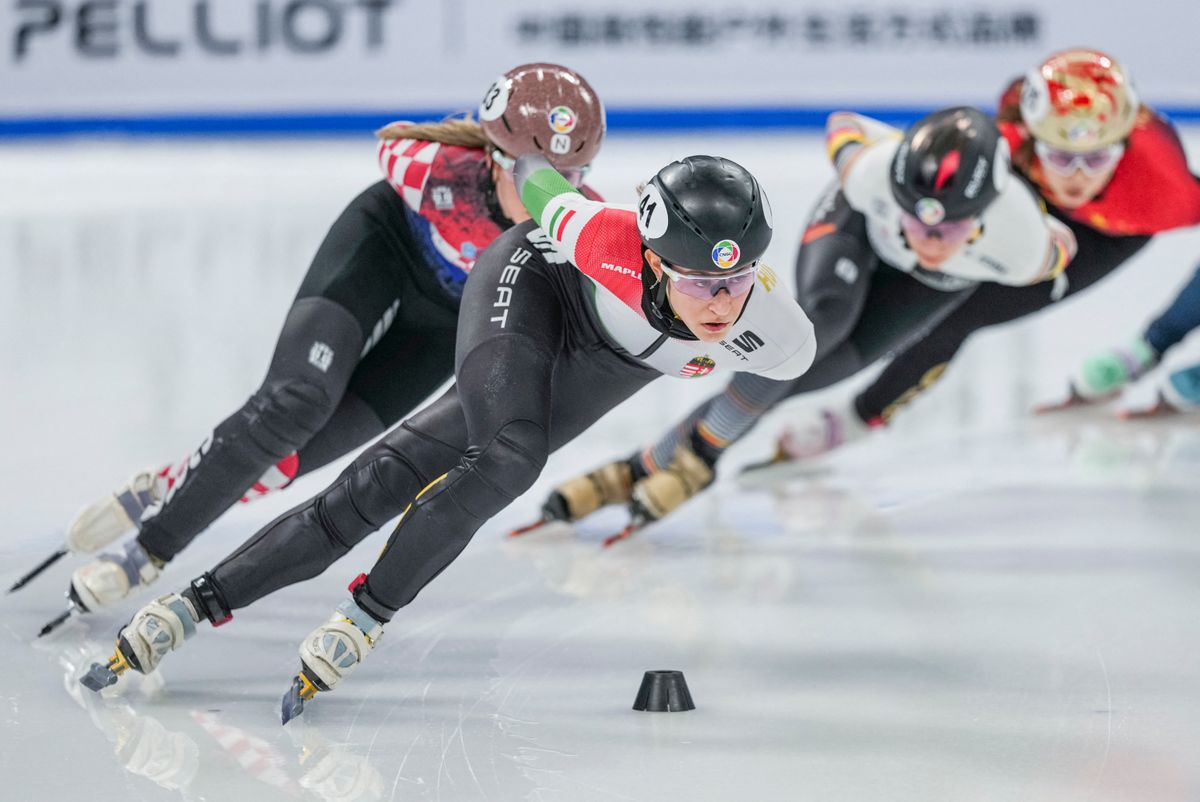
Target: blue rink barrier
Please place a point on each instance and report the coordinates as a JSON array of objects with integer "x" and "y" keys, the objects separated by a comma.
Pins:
[{"x": 354, "y": 123}]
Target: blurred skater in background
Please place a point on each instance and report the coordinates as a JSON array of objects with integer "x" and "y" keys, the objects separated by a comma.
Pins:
[
  {"x": 915, "y": 224},
  {"x": 1108, "y": 166}
]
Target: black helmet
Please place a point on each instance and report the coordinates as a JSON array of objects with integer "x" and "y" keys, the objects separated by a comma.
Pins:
[
  {"x": 705, "y": 214},
  {"x": 951, "y": 165}
]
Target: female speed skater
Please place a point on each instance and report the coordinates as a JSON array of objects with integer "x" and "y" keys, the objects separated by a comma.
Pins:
[
  {"x": 1109, "y": 167},
  {"x": 1102, "y": 376},
  {"x": 560, "y": 322},
  {"x": 914, "y": 226},
  {"x": 380, "y": 300}
]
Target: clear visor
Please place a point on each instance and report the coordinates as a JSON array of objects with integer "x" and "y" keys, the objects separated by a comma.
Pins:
[
  {"x": 706, "y": 286},
  {"x": 948, "y": 231},
  {"x": 1091, "y": 162}
]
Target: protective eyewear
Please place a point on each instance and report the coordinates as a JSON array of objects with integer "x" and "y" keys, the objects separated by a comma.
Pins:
[
  {"x": 574, "y": 175},
  {"x": 706, "y": 286},
  {"x": 1092, "y": 162},
  {"x": 948, "y": 231}
]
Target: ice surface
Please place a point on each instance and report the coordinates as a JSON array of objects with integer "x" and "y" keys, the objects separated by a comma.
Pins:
[{"x": 974, "y": 606}]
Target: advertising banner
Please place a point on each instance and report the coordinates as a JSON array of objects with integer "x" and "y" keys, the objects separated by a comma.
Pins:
[{"x": 297, "y": 64}]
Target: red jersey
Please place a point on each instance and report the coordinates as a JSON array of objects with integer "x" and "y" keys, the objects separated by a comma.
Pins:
[
  {"x": 1152, "y": 189},
  {"x": 447, "y": 190}
]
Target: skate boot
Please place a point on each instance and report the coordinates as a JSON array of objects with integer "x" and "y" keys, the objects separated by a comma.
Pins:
[
  {"x": 579, "y": 497},
  {"x": 1178, "y": 392},
  {"x": 103, "y": 521},
  {"x": 1103, "y": 375},
  {"x": 658, "y": 494},
  {"x": 160, "y": 627},
  {"x": 330, "y": 653},
  {"x": 112, "y": 577},
  {"x": 120, "y": 513},
  {"x": 1181, "y": 389},
  {"x": 815, "y": 433}
]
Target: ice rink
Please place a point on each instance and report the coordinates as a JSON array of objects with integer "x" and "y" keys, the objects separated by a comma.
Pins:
[{"x": 974, "y": 606}]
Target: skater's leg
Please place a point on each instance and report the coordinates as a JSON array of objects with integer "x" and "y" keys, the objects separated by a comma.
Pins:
[
  {"x": 1179, "y": 319},
  {"x": 412, "y": 360},
  {"x": 376, "y": 487},
  {"x": 922, "y": 363},
  {"x": 358, "y": 277}
]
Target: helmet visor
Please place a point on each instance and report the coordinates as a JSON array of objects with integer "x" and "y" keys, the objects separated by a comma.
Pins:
[
  {"x": 1091, "y": 162},
  {"x": 706, "y": 286},
  {"x": 950, "y": 232}
]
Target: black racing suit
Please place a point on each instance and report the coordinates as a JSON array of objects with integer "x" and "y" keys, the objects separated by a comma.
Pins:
[
  {"x": 917, "y": 367},
  {"x": 521, "y": 392},
  {"x": 370, "y": 284}
]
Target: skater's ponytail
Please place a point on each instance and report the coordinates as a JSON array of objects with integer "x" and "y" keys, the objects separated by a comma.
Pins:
[{"x": 462, "y": 131}]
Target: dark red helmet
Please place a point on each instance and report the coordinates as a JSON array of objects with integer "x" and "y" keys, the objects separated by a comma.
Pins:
[{"x": 547, "y": 109}]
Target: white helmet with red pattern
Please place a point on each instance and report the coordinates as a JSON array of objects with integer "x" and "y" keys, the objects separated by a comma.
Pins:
[{"x": 1079, "y": 100}]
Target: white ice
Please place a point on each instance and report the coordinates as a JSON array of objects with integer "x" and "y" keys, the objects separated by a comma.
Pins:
[{"x": 975, "y": 606}]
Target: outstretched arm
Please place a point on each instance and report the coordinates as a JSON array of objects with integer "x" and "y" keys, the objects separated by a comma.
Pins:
[
  {"x": 539, "y": 184},
  {"x": 848, "y": 134}
]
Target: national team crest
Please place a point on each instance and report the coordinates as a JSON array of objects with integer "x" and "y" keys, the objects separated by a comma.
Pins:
[
  {"x": 930, "y": 211},
  {"x": 726, "y": 253},
  {"x": 700, "y": 366},
  {"x": 562, "y": 119}
]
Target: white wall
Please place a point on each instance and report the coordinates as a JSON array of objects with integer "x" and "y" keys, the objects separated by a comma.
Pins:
[{"x": 148, "y": 57}]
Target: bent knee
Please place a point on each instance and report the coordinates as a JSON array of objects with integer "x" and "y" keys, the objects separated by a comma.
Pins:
[
  {"x": 285, "y": 415},
  {"x": 515, "y": 457},
  {"x": 503, "y": 469}
]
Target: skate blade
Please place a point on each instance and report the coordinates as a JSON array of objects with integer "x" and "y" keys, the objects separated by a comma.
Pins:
[
  {"x": 56, "y": 623},
  {"x": 766, "y": 473},
  {"x": 538, "y": 524},
  {"x": 1073, "y": 401},
  {"x": 626, "y": 533},
  {"x": 293, "y": 701},
  {"x": 42, "y": 566},
  {"x": 100, "y": 677},
  {"x": 1159, "y": 410}
]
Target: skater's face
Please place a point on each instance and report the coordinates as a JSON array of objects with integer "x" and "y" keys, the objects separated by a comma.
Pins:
[
  {"x": 1073, "y": 179},
  {"x": 933, "y": 245},
  {"x": 709, "y": 318},
  {"x": 506, "y": 188}
]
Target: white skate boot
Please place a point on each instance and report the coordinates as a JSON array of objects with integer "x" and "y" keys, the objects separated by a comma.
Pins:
[
  {"x": 120, "y": 513},
  {"x": 103, "y": 521},
  {"x": 814, "y": 433},
  {"x": 160, "y": 627},
  {"x": 330, "y": 653},
  {"x": 112, "y": 577},
  {"x": 1101, "y": 377}
]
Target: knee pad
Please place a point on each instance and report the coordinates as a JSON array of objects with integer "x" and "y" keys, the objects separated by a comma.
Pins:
[
  {"x": 503, "y": 469},
  {"x": 385, "y": 479},
  {"x": 284, "y": 415}
]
